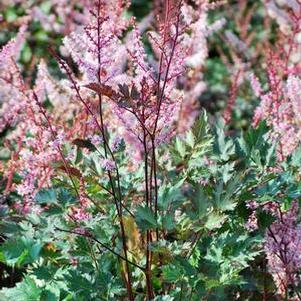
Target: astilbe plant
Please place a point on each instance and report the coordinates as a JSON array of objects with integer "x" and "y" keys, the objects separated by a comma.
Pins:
[
  {"x": 116, "y": 80},
  {"x": 105, "y": 187},
  {"x": 146, "y": 102}
]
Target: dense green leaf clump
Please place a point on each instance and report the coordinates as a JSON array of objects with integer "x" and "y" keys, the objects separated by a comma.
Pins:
[{"x": 205, "y": 251}]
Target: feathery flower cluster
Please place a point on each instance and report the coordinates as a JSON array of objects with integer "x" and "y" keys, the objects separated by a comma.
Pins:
[
  {"x": 18, "y": 111},
  {"x": 252, "y": 222},
  {"x": 283, "y": 248},
  {"x": 193, "y": 83},
  {"x": 59, "y": 16},
  {"x": 156, "y": 100},
  {"x": 96, "y": 48},
  {"x": 108, "y": 165},
  {"x": 9, "y": 78},
  {"x": 279, "y": 14},
  {"x": 80, "y": 212},
  {"x": 280, "y": 105},
  {"x": 33, "y": 143}
]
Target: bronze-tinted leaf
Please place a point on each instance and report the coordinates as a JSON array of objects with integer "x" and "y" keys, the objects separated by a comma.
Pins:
[
  {"x": 134, "y": 93},
  {"x": 70, "y": 170},
  {"x": 103, "y": 90},
  {"x": 124, "y": 103},
  {"x": 84, "y": 143},
  {"x": 124, "y": 90}
]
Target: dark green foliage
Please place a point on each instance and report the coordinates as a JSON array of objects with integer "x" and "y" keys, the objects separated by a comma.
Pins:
[{"x": 206, "y": 252}]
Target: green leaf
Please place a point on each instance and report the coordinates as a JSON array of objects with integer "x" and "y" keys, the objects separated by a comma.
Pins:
[
  {"x": 170, "y": 194},
  {"x": 200, "y": 129},
  {"x": 172, "y": 273},
  {"x": 225, "y": 194},
  {"x": 7, "y": 227},
  {"x": 296, "y": 157},
  {"x": 227, "y": 171},
  {"x": 48, "y": 295},
  {"x": 180, "y": 147},
  {"x": 145, "y": 218},
  {"x": 46, "y": 196},
  {"x": 168, "y": 221},
  {"x": 2, "y": 297},
  {"x": 20, "y": 251},
  {"x": 223, "y": 146},
  {"x": 190, "y": 139},
  {"x": 2, "y": 258},
  {"x": 215, "y": 220},
  {"x": 26, "y": 54},
  {"x": 26, "y": 290},
  {"x": 10, "y": 14}
]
